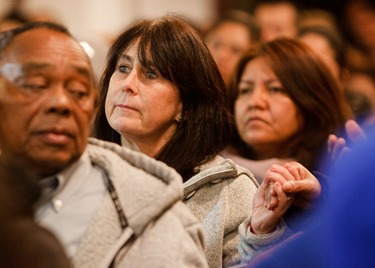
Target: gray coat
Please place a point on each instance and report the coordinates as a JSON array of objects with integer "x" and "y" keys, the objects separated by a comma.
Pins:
[
  {"x": 162, "y": 231},
  {"x": 221, "y": 197}
]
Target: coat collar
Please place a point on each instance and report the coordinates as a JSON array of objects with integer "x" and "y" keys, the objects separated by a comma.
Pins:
[{"x": 145, "y": 187}]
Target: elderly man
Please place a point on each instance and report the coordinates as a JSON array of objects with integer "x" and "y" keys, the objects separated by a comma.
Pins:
[{"x": 107, "y": 205}]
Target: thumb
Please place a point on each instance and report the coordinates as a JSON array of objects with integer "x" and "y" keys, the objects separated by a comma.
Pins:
[
  {"x": 293, "y": 187},
  {"x": 288, "y": 187},
  {"x": 306, "y": 189},
  {"x": 354, "y": 131}
]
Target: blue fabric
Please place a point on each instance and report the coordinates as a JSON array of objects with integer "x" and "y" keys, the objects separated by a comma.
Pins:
[{"x": 342, "y": 234}]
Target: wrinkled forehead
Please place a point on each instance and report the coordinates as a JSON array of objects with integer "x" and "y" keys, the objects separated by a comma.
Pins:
[
  {"x": 140, "y": 47},
  {"x": 45, "y": 45}
]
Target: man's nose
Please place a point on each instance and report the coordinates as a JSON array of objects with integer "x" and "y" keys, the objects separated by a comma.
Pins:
[{"x": 59, "y": 101}]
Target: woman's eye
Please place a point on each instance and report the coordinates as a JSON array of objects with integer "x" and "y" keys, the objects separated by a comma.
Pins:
[
  {"x": 124, "y": 69},
  {"x": 236, "y": 50},
  {"x": 151, "y": 74},
  {"x": 276, "y": 89},
  {"x": 244, "y": 91}
]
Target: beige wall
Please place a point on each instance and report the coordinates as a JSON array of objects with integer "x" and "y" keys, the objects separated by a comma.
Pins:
[
  {"x": 97, "y": 22},
  {"x": 110, "y": 16}
]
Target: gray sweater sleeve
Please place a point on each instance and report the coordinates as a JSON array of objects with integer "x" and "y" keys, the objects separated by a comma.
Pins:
[{"x": 252, "y": 244}]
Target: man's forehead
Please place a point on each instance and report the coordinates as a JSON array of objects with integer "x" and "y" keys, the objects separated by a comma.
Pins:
[
  {"x": 45, "y": 47},
  {"x": 44, "y": 41}
]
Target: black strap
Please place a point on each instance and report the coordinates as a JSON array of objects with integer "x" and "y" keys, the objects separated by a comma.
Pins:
[{"x": 116, "y": 202}]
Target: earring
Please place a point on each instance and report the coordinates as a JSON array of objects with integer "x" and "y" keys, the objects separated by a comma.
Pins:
[{"x": 178, "y": 119}]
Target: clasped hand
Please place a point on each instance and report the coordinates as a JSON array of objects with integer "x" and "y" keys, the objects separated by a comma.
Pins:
[{"x": 282, "y": 186}]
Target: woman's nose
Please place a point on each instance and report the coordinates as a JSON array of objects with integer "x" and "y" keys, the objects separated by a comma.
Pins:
[
  {"x": 258, "y": 97},
  {"x": 131, "y": 83}
]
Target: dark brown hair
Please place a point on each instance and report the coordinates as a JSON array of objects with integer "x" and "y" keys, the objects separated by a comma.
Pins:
[
  {"x": 313, "y": 90},
  {"x": 179, "y": 54}
]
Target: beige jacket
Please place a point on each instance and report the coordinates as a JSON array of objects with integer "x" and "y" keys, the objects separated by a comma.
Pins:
[{"x": 162, "y": 232}]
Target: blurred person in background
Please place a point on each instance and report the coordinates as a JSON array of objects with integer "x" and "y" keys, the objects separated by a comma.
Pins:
[
  {"x": 229, "y": 38},
  {"x": 328, "y": 44},
  {"x": 361, "y": 82},
  {"x": 276, "y": 18},
  {"x": 359, "y": 25},
  {"x": 317, "y": 17},
  {"x": 357, "y": 84},
  {"x": 95, "y": 47}
]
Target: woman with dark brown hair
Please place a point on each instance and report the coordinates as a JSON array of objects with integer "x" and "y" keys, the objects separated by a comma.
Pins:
[
  {"x": 287, "y": 104},
  {"x": 162, "y": 93}
]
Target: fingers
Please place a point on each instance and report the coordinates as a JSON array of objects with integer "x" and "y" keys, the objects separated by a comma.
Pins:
[
  {"x": 306, "y": 191},
  {"x": 279, "y": 201},
  {"x": 270, "y": 200},
  {"x": 302, "y": 186},
  {"x": 338, "y": 148},
  {"x": 296, "y": 170},
  {"x": 354, "y": 131},
  {"x": 262, "y": 194},
  {"x": 283, "y": 174},
  {"x": 305, "y": 181},
  {"x": 281, "y": 195},
  {"x": 332, "y": 139},
  {"x": 278, "y": 173},
  {"x": 276, "y": 197},
  {"x": 265, "y": 184}
]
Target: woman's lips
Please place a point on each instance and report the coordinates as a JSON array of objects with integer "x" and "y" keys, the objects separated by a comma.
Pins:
[
  {"x": 123, "y": 107},
  {"x": 256, "y": 121}
]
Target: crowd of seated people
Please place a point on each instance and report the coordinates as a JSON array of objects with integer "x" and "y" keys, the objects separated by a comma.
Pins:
[{"x": 227, "y": 149}]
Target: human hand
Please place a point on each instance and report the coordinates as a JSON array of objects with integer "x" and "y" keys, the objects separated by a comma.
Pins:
[
  {"x": 298, "y": 181},
  {"x": 337, "y": 146},
  {"x": 269, "y": 205}
]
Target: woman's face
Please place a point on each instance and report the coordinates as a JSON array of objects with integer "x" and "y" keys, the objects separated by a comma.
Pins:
[
  {"x": 227, "y": 43},
  {"x": 141, "y": 105},
  {"x": 323, "y": 49},
  {"x": 265, "y": 116}
]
